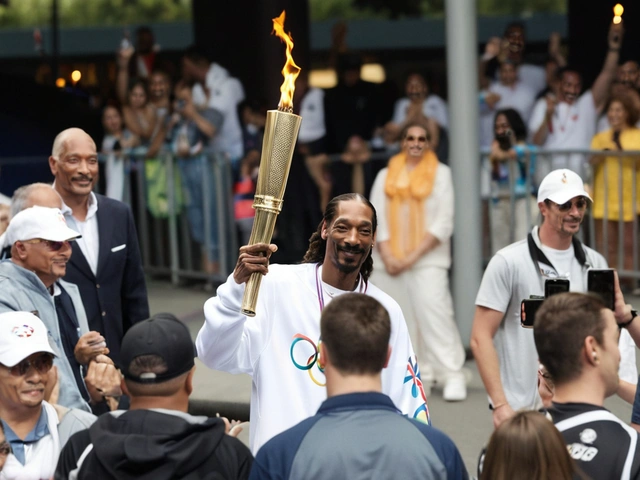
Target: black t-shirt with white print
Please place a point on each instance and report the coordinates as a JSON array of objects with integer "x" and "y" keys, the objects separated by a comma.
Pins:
[{"x": 603, "y": 446}]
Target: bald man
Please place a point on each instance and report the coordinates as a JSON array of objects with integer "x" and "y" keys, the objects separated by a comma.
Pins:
[{"x": 105, "y": 264}]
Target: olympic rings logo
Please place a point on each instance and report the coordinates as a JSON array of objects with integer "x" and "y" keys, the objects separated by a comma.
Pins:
[{"x": 313, "y": 360}]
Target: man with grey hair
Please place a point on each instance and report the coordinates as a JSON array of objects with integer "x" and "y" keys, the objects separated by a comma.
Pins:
[
  {"x": 40, "y": 194},
  {"x": 105, "y": 263}
]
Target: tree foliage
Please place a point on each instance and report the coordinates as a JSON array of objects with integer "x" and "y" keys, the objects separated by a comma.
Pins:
[
  {"x": 31, "y": 13},
  {"x": 393, "y": 9},
  {"x": 73, "y": 13}
]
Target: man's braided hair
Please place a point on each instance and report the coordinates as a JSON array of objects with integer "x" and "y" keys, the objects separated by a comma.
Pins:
[{"x": 318, "y": 245}]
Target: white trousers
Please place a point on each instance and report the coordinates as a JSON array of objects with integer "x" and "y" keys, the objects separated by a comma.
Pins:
[{"x": 425, "y": 299}]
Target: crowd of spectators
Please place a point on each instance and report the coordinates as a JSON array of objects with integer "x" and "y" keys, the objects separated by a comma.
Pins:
[
  {"x": 90, "y": 386},
  {"x": 349, "y": 131}
]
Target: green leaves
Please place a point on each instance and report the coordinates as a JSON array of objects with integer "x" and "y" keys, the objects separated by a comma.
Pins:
[{"x": 73, "y": 13}]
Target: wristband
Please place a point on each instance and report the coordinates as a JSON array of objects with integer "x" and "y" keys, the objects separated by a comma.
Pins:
[
  {"x": 496, "y": 407},
  {"x": 634, "y": 314}
]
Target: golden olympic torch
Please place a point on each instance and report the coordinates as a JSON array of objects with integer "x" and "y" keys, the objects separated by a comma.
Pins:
[{"x": 279, "y": 141}]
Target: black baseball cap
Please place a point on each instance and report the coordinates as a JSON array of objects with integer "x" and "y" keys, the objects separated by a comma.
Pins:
[{"x": 162, "y": 335}]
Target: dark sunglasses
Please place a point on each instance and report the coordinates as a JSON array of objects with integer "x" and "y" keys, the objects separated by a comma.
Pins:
[
  {"x": 580, "y": 203},
  {"x": 51, "y": 245},
  {"x": 5, "y": 448},
  {"x": 42, "y": 364},
  {"x": 411, "y": 138}
]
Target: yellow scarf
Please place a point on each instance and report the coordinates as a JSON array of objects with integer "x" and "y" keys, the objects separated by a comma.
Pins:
[{"x": 413, "y": 187}]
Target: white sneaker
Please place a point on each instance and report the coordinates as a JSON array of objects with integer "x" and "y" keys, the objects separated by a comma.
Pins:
[{"x": 455, "y": 390}]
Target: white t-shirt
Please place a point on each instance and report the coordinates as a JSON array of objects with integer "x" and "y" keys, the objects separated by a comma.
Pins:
[
  {"x": 432, "y": 107},
  {"x": 520, "y": 97},
  {"x": 563, "y": 261},
  {"x": 312, "y": 112},
  {"x": 511, "y": 277},
  {"x": 533, "y": 76},
  {"x": 225, "y": 93},
  {"x": 572, "y": 127}
]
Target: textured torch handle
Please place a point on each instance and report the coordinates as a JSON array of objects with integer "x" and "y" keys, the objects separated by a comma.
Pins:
[{"x": 280, "y": 134}]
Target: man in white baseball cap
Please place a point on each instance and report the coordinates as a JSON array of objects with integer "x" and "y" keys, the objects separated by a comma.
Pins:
[
  {"x": 504, "y": 351},
  {"x": 35, "y": 429},
  {"x": 40, "y": 223},
  {"x": 30, "y": 281}
]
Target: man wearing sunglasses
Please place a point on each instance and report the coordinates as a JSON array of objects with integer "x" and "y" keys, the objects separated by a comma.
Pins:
[
  {"x": 39, "y": 239},
  {"x": 35, "y": 430},
  {"x": 504, "y": 351}
]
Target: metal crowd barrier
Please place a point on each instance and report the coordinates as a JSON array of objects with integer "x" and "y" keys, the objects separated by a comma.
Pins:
[
  {"x": 579, "y": 161},
  {"x": 168, "y": 249},
  {"x": 166, "y": 243}
]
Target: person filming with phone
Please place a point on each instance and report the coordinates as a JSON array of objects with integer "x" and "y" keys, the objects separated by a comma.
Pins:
[
  {"x": 512, "y": 160},
  {"x": 505, "y": 352}
]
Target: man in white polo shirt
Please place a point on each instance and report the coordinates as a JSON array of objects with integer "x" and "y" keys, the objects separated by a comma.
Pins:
[
  {"x": 504, "y": 351},
  {"x": 569, "y": 121}
]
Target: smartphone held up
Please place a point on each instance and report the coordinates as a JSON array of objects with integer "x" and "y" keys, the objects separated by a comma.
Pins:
[
  {"x": 529, "y": 306},
  {"x": 602, "y": 283}
]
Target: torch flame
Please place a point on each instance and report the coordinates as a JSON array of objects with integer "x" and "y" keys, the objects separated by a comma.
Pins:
[{"x": 290, "y": 70}]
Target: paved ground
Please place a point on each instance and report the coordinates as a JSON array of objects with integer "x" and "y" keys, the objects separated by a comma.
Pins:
[{"x": 468, "y": 423}]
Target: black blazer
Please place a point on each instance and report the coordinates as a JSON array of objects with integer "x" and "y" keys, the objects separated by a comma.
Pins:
[{"x": 116, "y": 297}]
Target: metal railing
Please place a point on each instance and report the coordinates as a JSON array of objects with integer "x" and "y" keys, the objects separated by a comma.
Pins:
[
  {"x": 535, "y": 163},
  {"x": 168, "y": 248},
  {"x": 166, "y": 241},
  {"x": 164, "y": 234}
]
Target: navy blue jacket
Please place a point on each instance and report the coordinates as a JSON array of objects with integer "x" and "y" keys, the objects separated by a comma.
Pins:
[
  {"x": 359, "y": 436},
  {"x": 116, "y": 297}
]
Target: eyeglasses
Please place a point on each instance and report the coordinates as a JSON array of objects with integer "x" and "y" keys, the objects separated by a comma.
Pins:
[
  {"x": 51, "y": 245},
  {"x": 411, "y": 138},
  {"x": 42, "y": 364},
  {"x": 580, "y": 204},
  {"x": 5, "y": 448}
]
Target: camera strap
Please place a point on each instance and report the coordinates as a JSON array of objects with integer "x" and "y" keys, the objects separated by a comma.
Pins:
[{"x": 538, "y": 256}]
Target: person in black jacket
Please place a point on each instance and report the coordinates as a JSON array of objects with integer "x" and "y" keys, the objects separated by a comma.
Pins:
[
  {"x": 106, "y": 264},
  {"x": 156, "y": 439}
]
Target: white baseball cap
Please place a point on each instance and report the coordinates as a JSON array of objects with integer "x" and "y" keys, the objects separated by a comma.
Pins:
[
  {"x": 39, "y": 222},
  {"x": 560, "y": 186},
  {"x": 21, "y": 334}
]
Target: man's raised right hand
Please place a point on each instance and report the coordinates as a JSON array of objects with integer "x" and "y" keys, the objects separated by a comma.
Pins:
[{"x": 252, "y": 259}]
